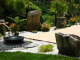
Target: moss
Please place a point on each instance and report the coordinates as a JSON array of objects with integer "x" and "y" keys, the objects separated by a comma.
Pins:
[
  {"x": 46, "y": 48},
  {"x": 34, "y": 31}
]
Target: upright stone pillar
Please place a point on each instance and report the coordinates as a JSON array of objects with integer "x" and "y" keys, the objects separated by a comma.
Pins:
[
  {"x": 61, "y": 22},
  {"x": 33, "y": 20}
]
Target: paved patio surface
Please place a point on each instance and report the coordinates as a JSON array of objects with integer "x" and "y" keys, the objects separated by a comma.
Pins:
[{"x": 50, "y": 36}]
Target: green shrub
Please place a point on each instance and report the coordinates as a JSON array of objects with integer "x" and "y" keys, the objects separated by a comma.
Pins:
[
  {"x": 45, "y": 27},
  {"x": 74, "y": 20},
  {"x": 48, "y": 18},
  {"x": 15, "y": 8},
  {"x": 34, "y": 31},
  {"x": 59, "y": 7},
  {"x": 46, "y": 48},
  {"x": 33, "y": 6}
]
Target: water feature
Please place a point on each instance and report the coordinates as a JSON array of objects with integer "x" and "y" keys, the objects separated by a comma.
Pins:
[
  {"x": 10, "y": 41},
  {"x": 13, "y": 39},
  {"x": 10, "y": 32}
]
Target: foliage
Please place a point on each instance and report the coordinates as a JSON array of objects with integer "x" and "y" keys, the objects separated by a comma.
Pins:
[
  {"x": 32, "y": 56},
  {"x": 30, "y": 41},
  {"x": 34, "y": 31},
  {"x": 73, "y": 8},
  {"x": 59, "y": 7},
  {"x": 70, "y": 23},
  {"x": 15, "y": 8},
  {"x": 16, "y": 27},
  {"x": 74, "y": 20},
  {"x": 13, "y": 27},
  {"x": 48, "y": 18},
  {"x": 23, "y": 26},
  {"x": 46, "y": 48},
  {"x": 0, "y": 34},
  {"x": 45, "y": 27},
  {"x": 78, "y": 19},
  {"x": 17, "y": 20},
  {"x": 32, "y": 6},
  {"x": 1, "y": 13}
]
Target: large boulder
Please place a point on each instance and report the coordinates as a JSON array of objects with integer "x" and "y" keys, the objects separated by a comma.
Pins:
[
  {"x": 33, "y": 20},
  {"x": 68, "y": 44}
]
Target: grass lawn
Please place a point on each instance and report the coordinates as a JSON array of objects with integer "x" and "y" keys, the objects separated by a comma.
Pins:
[{"x": 31, "y": 56}]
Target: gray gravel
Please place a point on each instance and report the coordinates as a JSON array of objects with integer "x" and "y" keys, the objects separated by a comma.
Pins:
[{"x": 32, "y": 47}]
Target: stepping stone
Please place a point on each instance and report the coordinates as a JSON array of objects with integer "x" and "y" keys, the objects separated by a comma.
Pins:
[{"x": 31, "y": 45}]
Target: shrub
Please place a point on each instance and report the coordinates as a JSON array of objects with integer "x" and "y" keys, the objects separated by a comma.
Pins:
[
  {"x": 33, "y": 6},
  {"x": 45, "y": 27},
  {"x": 15, "y": 8},
  {"x": 74, "y": 20},
  {"x": 34, "y": 31},
  {"x": 59, "y": 7},
  {"x": 46, "y": 48},
  {"x": 49, "y": 19}
]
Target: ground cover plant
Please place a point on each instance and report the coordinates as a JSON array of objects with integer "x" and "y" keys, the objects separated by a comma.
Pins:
[
  {"x": 34, "y": 31},
  {"x": 31, "y": 56},
  {"x": 46, "y": 48}
]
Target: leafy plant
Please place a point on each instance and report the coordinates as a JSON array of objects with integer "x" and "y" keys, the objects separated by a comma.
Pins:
[
  {"x": 45, "y": 27},
  {"x": 17, "y": 20},
  {"x": 15, "y": 8},
  {"x": 46, "y": 48},
  {"x": 74, "y": 20},
  {"x": 13, "y": 28},
  {"x": 32, "y": 6},
  {"x": 59, "y": 7},
  {"x": 48, "y": 18},
  {"x": 78, "y": 19},
  {"x": 34, "y": 31},
  {"x": 16, "y": 27}
]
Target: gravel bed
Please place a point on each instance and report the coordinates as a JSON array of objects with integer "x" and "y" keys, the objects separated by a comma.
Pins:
[
  {"x": 26, "y": 47},
  {"x": 6, "y": 46}
]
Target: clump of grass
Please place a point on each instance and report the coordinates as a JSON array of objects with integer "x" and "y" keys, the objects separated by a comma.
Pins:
[
  {"x": 30, "y": 41},
  {"x": 46, "y": 48},
  {"x": 34, "y": 31},
  {"x": 0, "y": 34}
]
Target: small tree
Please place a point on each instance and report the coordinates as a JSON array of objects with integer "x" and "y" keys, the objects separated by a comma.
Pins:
[{"x": 59, "y": 7}]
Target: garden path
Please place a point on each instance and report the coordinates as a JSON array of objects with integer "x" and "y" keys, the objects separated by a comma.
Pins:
[{"x": 50, "y": 36}]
